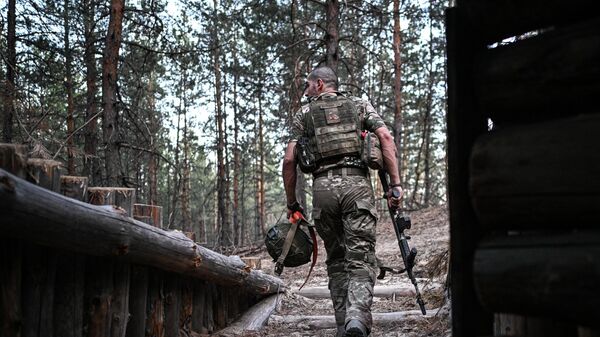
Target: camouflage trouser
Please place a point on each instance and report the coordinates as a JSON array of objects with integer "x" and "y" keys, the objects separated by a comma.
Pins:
[{"x": 345, "y": 217}]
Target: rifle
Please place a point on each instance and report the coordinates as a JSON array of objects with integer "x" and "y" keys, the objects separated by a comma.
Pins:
[{"x": 401, "y": 222}]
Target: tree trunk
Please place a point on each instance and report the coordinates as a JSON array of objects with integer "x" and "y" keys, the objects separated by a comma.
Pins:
[
  {"x": 186, "y": 212},
  {"x": 69, "y": 89},
  {"x": 398, "y": 118},
  {"x": 260, "y": 191},
  {"x": 91, "y": 165},
  {"x": 239, "y": 235},
  {"x": 176, "y": 180},
  {"x": 110, "y": 126},
  {"x": 152, "y": 158},
  {"x": 332, "y": 34},
  {"x": 11, "y": 65},
  {"x": 225, "y": 231}
]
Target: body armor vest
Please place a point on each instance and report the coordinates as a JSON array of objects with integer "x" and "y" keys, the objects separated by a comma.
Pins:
[{"x": 333, "y": 128}]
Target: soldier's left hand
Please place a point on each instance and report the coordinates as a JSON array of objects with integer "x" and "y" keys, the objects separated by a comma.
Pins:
[{"x": 395, "y": 197}]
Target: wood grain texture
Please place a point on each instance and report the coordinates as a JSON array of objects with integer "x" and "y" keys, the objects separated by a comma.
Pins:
[{"x": 51, "y": 219}]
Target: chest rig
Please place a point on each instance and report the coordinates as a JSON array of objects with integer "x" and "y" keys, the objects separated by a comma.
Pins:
[{"x": 333, "y": 128}]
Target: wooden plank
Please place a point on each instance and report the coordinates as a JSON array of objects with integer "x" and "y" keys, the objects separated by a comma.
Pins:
[
  {"x": 538, "y": 176},
  {"x": 155, "y": 323},
  {"x": 469, "y": 319},
  {"x": 39, "y": 275},
  {"x": 98, "y": 291},
  {"x": 498, "y": 19},
  {"x": 74, "y": 187},
  {"x": 119, "y": 306},
  {"x": 552, "y": 275},
  {"x": 69, "y": 295},
  {"x": 253, "y": 319},
  {"x": 138, "y": 297},
  {"x": 172, "y": 289},
  {"x": 11, "y": 315},
  {"x": 13, "y": 158},
  {"x": 551, "y": 75},
  {"x": 44, "y": 173},
  {"x": 187, "y": 304},
  {"x": 199, "y": 307},
  {"x": 50, "y": 219},
  {"x": 153, "y": 213}
]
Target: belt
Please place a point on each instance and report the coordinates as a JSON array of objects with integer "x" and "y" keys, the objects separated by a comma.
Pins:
[{"x": 349, "y": 171}]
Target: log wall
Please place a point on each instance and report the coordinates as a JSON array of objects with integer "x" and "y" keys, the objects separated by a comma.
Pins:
[
  {"x": 524, "y": 164},
  {"x": 68, "y": 268}
]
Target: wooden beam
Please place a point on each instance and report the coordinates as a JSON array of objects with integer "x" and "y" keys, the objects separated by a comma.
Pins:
[
  {"x": 386, "y": 291},
  {"x": 34, "y": 214},
  {"x": 538, "y": 176},
  {"x": 547, "y": 76},
  {"x": 553, "y": 275},
  {"x": 328, "y": 322},
  {"x": 253, "y": 319},
  {"x": 498, "y": 19},
  {"x": 465, "y": 123}
]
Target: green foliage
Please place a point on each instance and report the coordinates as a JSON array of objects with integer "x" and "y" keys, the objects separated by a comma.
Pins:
[{"x": 167, "y": 98}]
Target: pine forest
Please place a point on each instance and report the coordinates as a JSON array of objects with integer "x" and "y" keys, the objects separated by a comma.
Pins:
[{"x": 189, "y": 102}]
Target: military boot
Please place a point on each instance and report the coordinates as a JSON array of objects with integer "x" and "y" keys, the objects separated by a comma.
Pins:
[{"x": 354, "y": 328}]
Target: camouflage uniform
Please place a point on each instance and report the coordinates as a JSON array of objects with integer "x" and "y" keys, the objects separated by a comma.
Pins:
[{"x": 345, "y": 217}]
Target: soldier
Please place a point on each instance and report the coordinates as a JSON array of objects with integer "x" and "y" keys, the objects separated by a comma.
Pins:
[{"x": 343, "y": 203}]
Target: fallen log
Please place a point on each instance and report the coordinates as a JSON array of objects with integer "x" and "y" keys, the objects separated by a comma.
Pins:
[
  {"x": 253, "y": 319},
  {"x": 387, "y": 291},
  {"x": 34, "y": 214},
  {"x": 328, "y": 322}
]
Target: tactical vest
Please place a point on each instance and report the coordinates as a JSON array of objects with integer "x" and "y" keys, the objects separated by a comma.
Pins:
[{"x": 333, "y": 128}]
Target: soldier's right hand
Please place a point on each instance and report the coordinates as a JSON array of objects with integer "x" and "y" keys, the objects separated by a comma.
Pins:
[
  {"x": 395, "y": 197},
  {"x": 294, "y": 207}
]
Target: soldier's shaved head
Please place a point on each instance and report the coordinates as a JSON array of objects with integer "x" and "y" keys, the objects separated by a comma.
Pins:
[{"x": 326, "y": 74}]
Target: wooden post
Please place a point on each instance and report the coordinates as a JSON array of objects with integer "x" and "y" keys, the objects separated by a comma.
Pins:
[
  {"x": 45, "y": 173},
  {"x": 69, "y": 295},
  {"x": 465, "y": 123},
  {"x": 155, "y": 324},
  {"x": 154, "y": 214},
  {"x": 11, "y": 319},
  {"x": 172, "y": 290},
  {"x": 187, "y": 304},
  {"x": 74, "y": 187},
  {"x": 13, "y": 158},
  {"x": 69, "y": 291},
  {"x": 101, "y": 196},
  {"x": 199, "y": 308}
]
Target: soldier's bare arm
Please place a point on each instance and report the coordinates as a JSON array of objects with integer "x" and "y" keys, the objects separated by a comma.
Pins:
[{"x": 289, "y": 173}]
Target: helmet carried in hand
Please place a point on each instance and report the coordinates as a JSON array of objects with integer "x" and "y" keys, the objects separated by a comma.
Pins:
[{"x": 300, "y": 250}]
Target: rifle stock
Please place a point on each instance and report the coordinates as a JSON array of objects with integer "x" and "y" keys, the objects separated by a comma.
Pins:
[{"x": 402, "y": 222}]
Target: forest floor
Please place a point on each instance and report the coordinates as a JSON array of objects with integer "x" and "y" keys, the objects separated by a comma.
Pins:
[{"x": 430, "y": 235}]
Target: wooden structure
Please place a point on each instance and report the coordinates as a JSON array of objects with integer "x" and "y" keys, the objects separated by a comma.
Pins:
[
  {"x": 71, "y": 268},
  {"x": 524, "y": 167}
]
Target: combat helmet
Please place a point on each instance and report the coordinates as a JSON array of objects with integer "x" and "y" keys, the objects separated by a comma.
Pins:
[{"x": 300, "y": 250}]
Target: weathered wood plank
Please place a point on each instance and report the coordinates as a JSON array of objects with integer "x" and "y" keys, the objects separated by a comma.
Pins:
[
  {"x": 541, "y": 274},
  {"x": 71, "y": 225},
  {"x": 465, "y": 123},
  {"x": 11, "y": 315},
  {"x": 153, "y": 213},
  {"x": 551, "y": 75},
  {"x": 13, "y": 158},
  {"x": 69, "y": 294},
  {"x": 44, "y": 173},
  {"x": 253, "y": 319},
  {"x": 74, "y": 187},
  {"x": 172, "y": 289},
  {"x": 155, "y": 322},
  {"x": 498, "y": 19},
  {"x": 543, "y": 175},
  {"x": 39, "y": 275}
]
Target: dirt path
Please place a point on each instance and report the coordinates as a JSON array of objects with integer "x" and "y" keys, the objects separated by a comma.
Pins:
[{"x": 430, "y": 235}]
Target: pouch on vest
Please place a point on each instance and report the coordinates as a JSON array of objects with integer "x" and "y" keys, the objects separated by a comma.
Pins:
[
  {"x": 304, "y": 157},
  {"x": 371, "y": 153}
]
